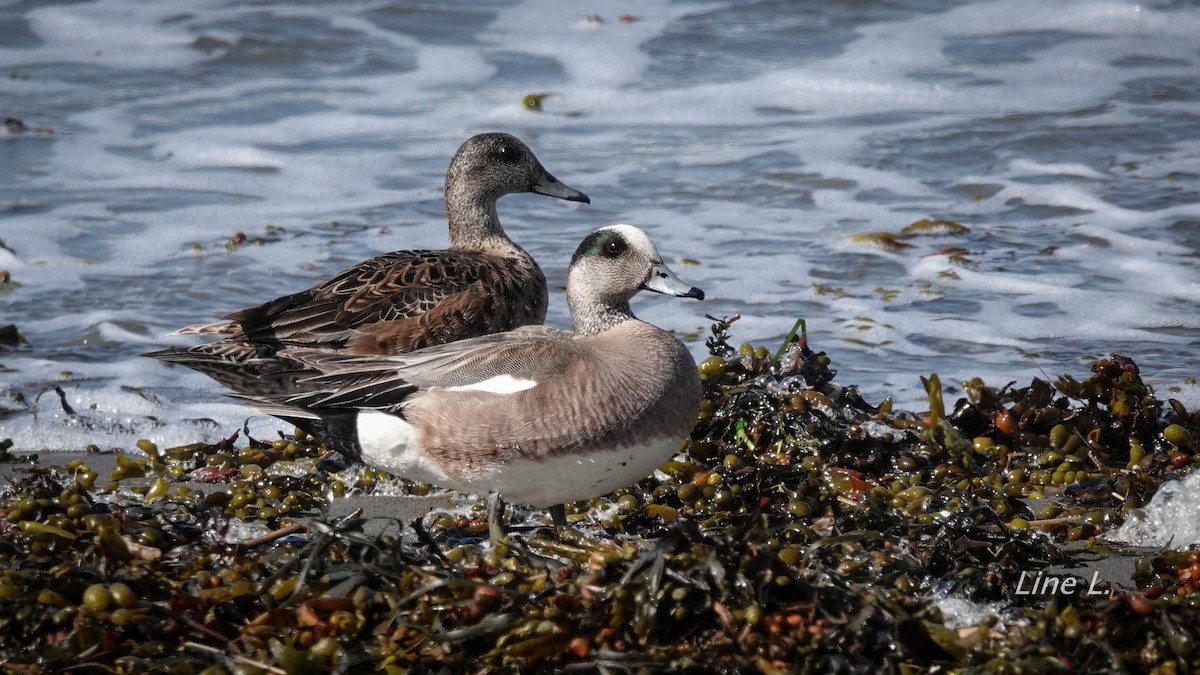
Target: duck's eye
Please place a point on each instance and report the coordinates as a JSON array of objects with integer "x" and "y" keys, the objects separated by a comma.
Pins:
[
  {"x": 613, "y": 248},
  {"x": 505, "y": 153}
]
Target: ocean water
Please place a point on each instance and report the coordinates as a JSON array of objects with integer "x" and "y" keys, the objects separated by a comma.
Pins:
[
  {"x": 764, "y": 145},
  {"x": 1170, "y": 520}
]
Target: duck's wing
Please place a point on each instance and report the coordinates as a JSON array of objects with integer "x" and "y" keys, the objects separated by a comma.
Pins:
[
  {"x": 394, "y": 302},
  {"x": 500, "y": 363}
]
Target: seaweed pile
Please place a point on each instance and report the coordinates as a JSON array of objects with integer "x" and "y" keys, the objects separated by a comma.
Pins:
[{"x": 798, "y": 530}]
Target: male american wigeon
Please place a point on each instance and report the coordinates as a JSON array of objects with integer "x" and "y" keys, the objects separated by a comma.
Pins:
[
  {"x": 406, "y": 300},
  {"x": 538, "y": 415}
]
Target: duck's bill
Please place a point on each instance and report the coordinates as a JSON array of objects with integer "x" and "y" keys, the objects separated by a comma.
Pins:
[
  {"x": 663, "y": 280},
  {"x": 552, "y": 187}
]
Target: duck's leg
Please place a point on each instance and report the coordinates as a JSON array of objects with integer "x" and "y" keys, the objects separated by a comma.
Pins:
[
  {"x": 558, "y": 515},
  {"x": 495, "y": 516}
]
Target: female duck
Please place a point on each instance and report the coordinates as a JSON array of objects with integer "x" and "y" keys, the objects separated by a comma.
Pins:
[{"x": 406, "y": 300}]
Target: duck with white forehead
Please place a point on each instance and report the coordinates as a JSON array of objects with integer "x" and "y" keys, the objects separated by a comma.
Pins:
[{"x": 536, "y": 415}]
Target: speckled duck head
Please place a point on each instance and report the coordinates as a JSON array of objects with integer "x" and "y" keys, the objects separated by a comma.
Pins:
[{"x": 485, "y": 168}]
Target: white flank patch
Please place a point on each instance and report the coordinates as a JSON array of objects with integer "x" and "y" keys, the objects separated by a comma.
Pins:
[
  {"x": 500, "y": 384},
  {"x": 377, "y": 431},
  {"x": 390, "y": 443}
]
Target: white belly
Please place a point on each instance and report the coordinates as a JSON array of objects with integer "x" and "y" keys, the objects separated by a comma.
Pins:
[
  {"x": 388, "y": 443},
  {"x": 574, "y": 477}
]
